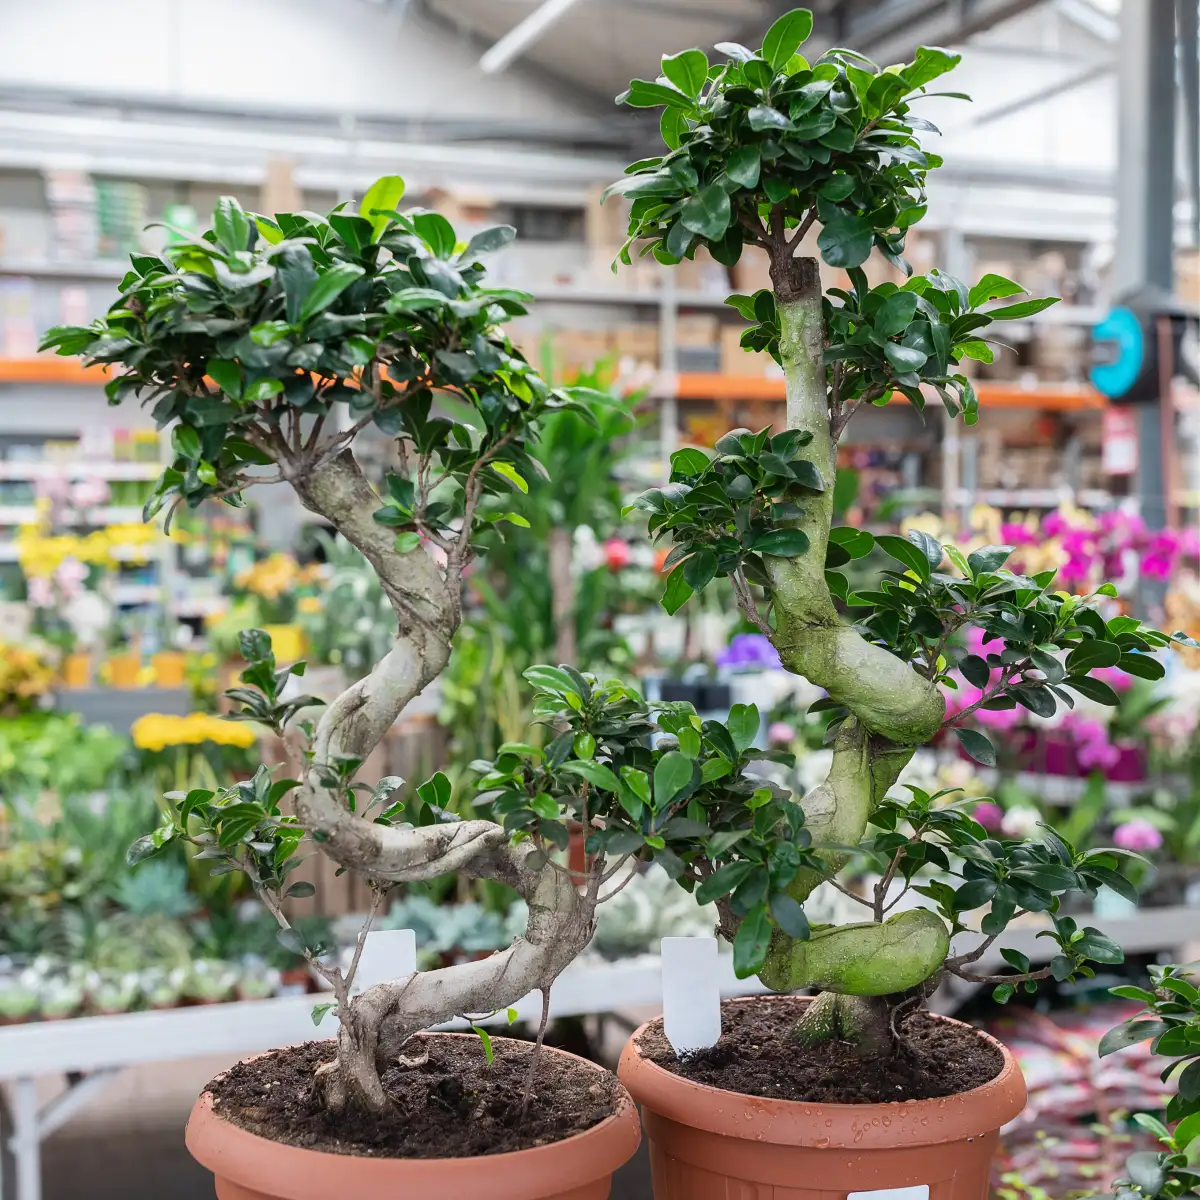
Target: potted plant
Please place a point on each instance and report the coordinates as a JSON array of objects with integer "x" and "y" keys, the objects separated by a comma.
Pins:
[
  {"x": 269, "y": 345},
  {"x": 760, "y": 149},
  {"x": 1171, "y": 1017}
]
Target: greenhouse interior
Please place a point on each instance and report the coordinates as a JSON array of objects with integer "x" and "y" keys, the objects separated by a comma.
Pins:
[{"x": 599, "y": 598}]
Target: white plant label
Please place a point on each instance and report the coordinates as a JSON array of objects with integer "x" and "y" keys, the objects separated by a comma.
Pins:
[
  {"x": 691, "y": 992},
  {"x": 388, "y": 954},
  {"x": 920, "y": 1192}
]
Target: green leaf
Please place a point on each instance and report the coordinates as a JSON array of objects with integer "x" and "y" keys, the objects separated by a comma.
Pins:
[
  {"x": 846, "y": 240},
  {"x": 782, "y": 543},
  {"x": 319, "y": 1011},
  {"x": 786, "y": 36},
  {"x": 436, "y": 232},
  {"x": 988, "y": 559},
  {"x": 488, "y": 241},
  {"x": 436, "y": 790},
  {"x": 1093, "y": 689},
  {"x": 722, "y": 881},
  {"x": 595, "y": 773},
  {"x": 262, "y": 389},
  {"x": 226, "y": 375},
  {"x": 687, "y": 70},
  {"x": 977, "y": 746},
  {"x": 699, "y": 569},
  {"x": 509, "y": 472},
  {"x": 708, "y": 212},
  {"x": 903, "y": 551},
  {"x": 1145, "y": 666},
  {"x": 763, "y": 117},
  {"x": 689, "y": 461},
  {"x": 1093, "y": 653},
  {"x": 642, "y": 94},
  {"x": 1130, "y": 1034},
  {"x": 743, "y": 167},
  {"x": 186, "y": 441},
  {"x": 905, "y": 358},
  {"x": 672, "y": 773},
  {"x": 1146, "y": 1170},
  {"x": 992, "y": 287},
  {"x": 1026, "y": 308},
  {"x": 743, "y": 725},
  {"x": 231, "y": 225},
  {"x": 751, "y": 942},
  {"x": 789, "y": 916},
  {"x": 1099, "y": 947},
  {"x": 382, "y": 197},
  {"x": 328, "y": 288},
  {"x": 678, "y": 591},
  {"x": 895, "y": 314},
  {"x": 672, "y": 125},
  {"x": 407, "y": 542},
  {"x": 976, "y": 349},
  {"x": 485, "y": 1039}
]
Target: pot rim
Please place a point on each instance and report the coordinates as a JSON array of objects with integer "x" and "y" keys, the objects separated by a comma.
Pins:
[
  {"x": 878, "y": 1126},
  {"x": 263, "y": 1164}
]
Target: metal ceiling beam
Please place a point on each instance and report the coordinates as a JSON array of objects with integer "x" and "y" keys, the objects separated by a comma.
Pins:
[
  {"x": 1061, "y": 88},
  {"x": 892, "y": 30},
  {"x": 523, "y": 35}
]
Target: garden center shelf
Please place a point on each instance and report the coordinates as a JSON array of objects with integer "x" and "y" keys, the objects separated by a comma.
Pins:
[
  {"x": 1060, "y": 397},
  {"x": 112, "y": 471}
]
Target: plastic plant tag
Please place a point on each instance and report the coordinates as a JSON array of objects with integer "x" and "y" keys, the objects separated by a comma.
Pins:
[
  {"x": 691, "y": 993},
  {"x": 387, "y": 954},
  {"x": 919, "y": 1192}
]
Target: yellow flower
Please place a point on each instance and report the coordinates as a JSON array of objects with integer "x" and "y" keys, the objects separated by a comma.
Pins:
[
  {"x": 309, "y": 604},
  {"x": 157, "y": 731}
]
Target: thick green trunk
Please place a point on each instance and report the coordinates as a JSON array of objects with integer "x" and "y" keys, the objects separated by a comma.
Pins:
[{"x": 893, "y": 709}]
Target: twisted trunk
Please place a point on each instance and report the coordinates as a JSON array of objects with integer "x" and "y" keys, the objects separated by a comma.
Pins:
[
  {"x": 893, "y": 710},
  {"x": 375, "y": 1024}
]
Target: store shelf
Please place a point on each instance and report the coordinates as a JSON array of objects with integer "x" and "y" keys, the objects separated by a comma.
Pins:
[
  {"x": 26, "y": 514},
  {"x": 113, "y": 269},
  {"x": 1031, "y": 497},
  {"x": 696, "y": 386},
  {"x": 113, "y": 471}
]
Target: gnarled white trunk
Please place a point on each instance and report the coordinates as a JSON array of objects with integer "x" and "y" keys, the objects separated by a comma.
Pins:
[{"x": 426, "y": 603}]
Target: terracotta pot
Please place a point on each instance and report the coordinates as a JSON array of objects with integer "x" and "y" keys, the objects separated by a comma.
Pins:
[
  {"x": 248, "y": 1167},
  {"x": 168, "y": 669},
  {"x": 125, "y": 670},
  {"x": 708, "y": 1144},
  {"x": 76, "y": 670}
]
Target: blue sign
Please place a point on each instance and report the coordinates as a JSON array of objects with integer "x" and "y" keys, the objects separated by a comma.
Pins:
[{"x": 1124, "y": 330}]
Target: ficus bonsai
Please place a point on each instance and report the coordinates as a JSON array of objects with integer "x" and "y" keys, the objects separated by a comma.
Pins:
[
  {"x": 759, "y": 149},
  {"x": 269, "y": 346}
]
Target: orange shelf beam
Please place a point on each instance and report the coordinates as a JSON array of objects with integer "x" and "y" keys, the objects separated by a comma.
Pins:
[
  {"x": 998, "y": 395},
  {"x": 49, "y": 368}
]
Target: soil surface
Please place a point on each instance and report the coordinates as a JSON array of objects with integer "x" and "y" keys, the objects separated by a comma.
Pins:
[
  {"x": 757, "y": 1057},
  {"x": 450, "y": 1105}
]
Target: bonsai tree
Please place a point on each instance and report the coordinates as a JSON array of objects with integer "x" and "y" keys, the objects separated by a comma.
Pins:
[
  {"x": 759, "y": 149},
  {"x": 269, "y": 346}
]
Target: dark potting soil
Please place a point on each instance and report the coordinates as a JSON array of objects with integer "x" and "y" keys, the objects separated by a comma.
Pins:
[
  {"x": 756, "y": 1056},
  {"x": 451, "y": 1106}
]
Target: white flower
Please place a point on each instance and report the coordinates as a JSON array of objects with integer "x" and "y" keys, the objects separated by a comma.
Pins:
[{"x": 1021, "y": 821}]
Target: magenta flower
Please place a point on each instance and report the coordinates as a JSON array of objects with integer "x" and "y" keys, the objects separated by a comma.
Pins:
[
  {"x": 990, "y": 815},
  {"x": 1138, "y": 835},
  {"x": 781, "y": 733}
]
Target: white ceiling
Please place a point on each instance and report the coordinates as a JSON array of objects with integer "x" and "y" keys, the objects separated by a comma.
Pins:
[{"x": 599, "y": 45}]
